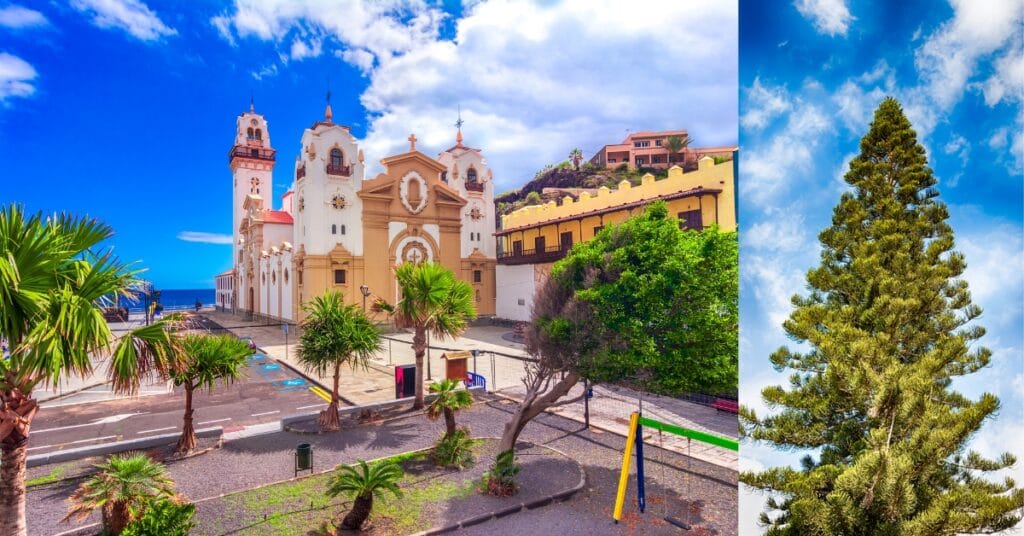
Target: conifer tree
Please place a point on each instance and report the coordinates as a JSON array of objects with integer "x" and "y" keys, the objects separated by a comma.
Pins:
[{"x": 889, "y": 325}]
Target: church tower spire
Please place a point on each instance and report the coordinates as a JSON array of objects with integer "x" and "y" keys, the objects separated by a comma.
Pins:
[
  {"x": 328, "y": 114},
  {"x": 458, "y": 125}
]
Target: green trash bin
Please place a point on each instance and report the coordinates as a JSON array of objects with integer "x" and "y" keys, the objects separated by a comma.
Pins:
[{"x": 303, "y": 458}]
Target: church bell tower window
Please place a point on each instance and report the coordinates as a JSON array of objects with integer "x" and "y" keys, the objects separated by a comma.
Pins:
[{"x": 471, "y": 175}]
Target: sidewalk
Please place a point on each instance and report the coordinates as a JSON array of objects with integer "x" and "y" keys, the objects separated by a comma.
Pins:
[{"x": 375, "y": 384}]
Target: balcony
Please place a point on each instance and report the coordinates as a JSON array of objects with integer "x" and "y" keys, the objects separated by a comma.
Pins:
[
  {"x": 301, "y": 172},
  {"x": 257, "y": 153},
  {"x": 474, "y": 186},
  {"x": 342, "y": 171},
  {"x": 533, "y": 256}
]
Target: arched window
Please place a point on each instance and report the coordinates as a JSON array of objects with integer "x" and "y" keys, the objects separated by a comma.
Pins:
[
  {"x": 285, "y": 276},
  {"x": 273, "y": 277},
  {"x": 471, "y": 175},
  {"x": 250, "y": 133},
  {"x": 444, "y": 176},
  {"x": 259, "y": 134},
  {"x": 336, "y": 159},
  {"x": 334, "y": 229},
  {"x": 254, "y": 186},
  {"x": 343, "y": 229}
]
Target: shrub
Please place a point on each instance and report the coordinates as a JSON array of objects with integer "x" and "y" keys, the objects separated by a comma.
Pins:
[
  {"x": 163, "y": 518},
  {"x": 500, "y": 480},
  {"x": 454, "y": 450},
  {"x": 533, "y": 198}
]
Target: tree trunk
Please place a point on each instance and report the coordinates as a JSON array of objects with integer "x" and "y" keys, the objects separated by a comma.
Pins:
[
  {"x": 12, "y": 487},
  {"x": 117, "y": 518},
  {"x": 188, "y": 432},
  {"x": 360, "y": 511},
  {"x": 419, "y": 346},
  {"x": 449, "y": 422},
  {"x": 532, "y": 406},
  {"x": 329, "y": 421},
  {"x": 17, "y": 409}
]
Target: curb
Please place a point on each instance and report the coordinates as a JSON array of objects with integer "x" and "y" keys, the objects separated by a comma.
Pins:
[
  {"x": 58, "y": 456},
  {"x": 518, "y": 507}
]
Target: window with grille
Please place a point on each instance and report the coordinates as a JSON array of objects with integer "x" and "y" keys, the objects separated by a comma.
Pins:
[
  {"x": 477, "y": 276},
  {"x": 339, "y": 277}
]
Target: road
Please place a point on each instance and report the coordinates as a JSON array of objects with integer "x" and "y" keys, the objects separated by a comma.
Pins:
[{"x": 266, "y": 392}]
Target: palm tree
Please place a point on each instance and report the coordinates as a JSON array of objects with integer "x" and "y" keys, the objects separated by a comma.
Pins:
[
  {"x": 55, "y": 280},
  {"x": 576, "y": 157},
  {"x": 207, "y": 359},
  {"x": 675, "y": 144},
  {"x": 433, "y": 301},
  {"x": 121, "y": 489},
  {"x": 451, "y": 397},
  {"x": 362, "y": 485},
  {"x": 332, "y": 334}
]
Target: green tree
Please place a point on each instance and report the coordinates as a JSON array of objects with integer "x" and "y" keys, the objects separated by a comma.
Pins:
[
  {"x": 333, "y": 334},
  {"x": 675, "y": 145},
  {"x": 451, "y": 397},
  {"x": 362, "y": 483},
  {"x": 121, "y": 489},
  {"x": 576, "y": 157},
  {"x": 163, "y": 517},
  {"x": 533, "y": 198},
  {"x": 55, "y": 280},
  {"x": 433, "y": 301},
  {"x": 642, "y": 295},
  {"x": 207, "y": 359},
  {"x": 889, "y": 326}
]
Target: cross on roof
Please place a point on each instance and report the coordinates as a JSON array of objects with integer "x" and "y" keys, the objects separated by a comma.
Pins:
[
  {"x": 458, "y": 124},
  {"x": 412, "y": 142}
]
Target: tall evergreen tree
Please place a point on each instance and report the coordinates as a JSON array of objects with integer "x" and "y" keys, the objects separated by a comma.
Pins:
[{"x": 889, "y": 325}]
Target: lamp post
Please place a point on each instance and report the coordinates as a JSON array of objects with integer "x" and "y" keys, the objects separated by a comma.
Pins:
[{"x": 366, "y": 293}]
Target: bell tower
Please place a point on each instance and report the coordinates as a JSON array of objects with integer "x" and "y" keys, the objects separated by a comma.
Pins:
[{"x": 251, "y": 159}]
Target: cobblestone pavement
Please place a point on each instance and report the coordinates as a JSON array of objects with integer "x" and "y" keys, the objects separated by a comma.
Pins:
[{"x": 672, "y": 479}]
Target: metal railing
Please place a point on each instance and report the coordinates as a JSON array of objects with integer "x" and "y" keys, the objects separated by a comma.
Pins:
[
  {"x": 474, "y": 186},
  {"x": 259, "y": 153},
  {"x": 533, "y": 256},
  {"x": 344, "y": 171}
]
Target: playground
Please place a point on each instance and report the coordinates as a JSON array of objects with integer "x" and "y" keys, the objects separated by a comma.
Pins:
[{"x": 218, "y": 482}]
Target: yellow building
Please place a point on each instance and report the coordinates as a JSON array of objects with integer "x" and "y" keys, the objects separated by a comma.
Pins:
[{"x": 534, "y": 237}]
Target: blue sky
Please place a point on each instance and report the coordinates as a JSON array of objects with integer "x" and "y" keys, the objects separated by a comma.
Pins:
[
  {"x": 125, "y": 109},
  {"x": 809, "y": 84}
]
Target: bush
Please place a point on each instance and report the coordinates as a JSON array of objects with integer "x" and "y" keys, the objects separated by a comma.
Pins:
[
  {"x": 533, "y": 198},
  {"x": 455, "y": 450},
  {"x": 501, "y": 479},
  {"x": 163, "y": 518}
]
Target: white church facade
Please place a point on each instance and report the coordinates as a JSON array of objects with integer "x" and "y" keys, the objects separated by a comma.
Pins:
[{"x": 337, "y": 229}]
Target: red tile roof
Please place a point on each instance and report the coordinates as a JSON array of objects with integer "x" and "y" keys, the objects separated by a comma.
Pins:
[{"x": 277, "y": 216}]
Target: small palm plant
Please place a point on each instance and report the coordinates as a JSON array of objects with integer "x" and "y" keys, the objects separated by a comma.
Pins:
[
  {"x": 451, "y": 397},
  {"x": 362, "y": 483},
  {"x": 121, "y": 489},
  {"x": 500, "y": 480},
  {"x": 208, "y": 360}
]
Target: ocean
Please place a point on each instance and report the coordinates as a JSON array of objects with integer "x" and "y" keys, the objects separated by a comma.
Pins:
[{"x": 177, "y": 299}]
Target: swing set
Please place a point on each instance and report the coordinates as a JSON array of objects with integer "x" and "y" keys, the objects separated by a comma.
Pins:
[{"x": 636, "y": 438}]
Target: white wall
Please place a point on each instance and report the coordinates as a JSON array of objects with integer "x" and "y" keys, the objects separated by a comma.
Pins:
[
  {"x": 318, "y": 188},
  {"x": 515, "y": 283}
]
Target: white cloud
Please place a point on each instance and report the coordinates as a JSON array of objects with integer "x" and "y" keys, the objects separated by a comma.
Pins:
[
  {"x": 830, "y": 17},
  {"x": 533, "y": 80},
  {"x": 948, "y": 59},
  {"x": 16, "y": 76},
  {"x": 301, "y": 50},
  {"x": 131, "y": 16},
  {"x": 995, "y": 260},
  {"x": 855, "y": 105},
  {"x": 15, "y": 16},
  {"x": 265, "y": 72},
  {"x": 773, "y": 281},
  {"x": 772, "y": 170},
  {"x": 999, "y": 138},
  {"x": 205, "y": 238},
  {"x": 779, "y": 231},
  {"x": 763, "y": 104}
]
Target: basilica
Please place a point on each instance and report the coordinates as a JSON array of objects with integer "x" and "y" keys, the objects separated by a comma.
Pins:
[{"x": 335, "y": 228}]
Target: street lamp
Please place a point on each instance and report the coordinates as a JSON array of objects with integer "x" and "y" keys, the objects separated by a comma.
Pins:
[{"x": 366, "y": 293}]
